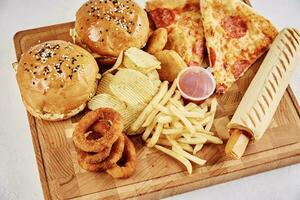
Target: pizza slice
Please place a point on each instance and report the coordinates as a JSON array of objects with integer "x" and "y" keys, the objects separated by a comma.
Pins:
[
  {"x": 236, "y": 36},
  {"x": 182, "y": 19}
]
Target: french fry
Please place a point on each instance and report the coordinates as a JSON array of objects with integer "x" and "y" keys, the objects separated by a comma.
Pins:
[
  {"x": 177, "y": 124},
  {"x": 167, "y": 125},
  {"x": 163, "y": 109},
  {"x": 187, "y": 136},
  {"x": 185, "y": 112},
  {"x": 191, "y": 157},
  {"x": 193, "y": 140},
  {"x": 202, "y": 131},
  {"x": 163, "y": 141},
  {"x": 202, "y": 122},
  {"x": 197, "y": 148},
  {"x": 184, "y": 129},
  {"x": 142, "y": 117},
  {"x": 191, "y": 106},
  {"x": 172, "y": 131},
  {"x": 186, "y": 122},
  {"x": 155, "y": 135},
  {"x": 149, "y": 129},
  {"x": 164, "y": 100},
  {"x": 204, "y": 108},
  {"x": 213, "y": 109},
  {"x": 212, "y": 139},
  {"x": 164, "y": 119},
  {"x": 186, "y": 147},
  {"x": 177, "y": 96},
  {"x": 177, "y": 156}
]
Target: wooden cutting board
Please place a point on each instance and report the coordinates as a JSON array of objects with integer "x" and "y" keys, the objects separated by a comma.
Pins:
[{"x": 157, "y": 174}]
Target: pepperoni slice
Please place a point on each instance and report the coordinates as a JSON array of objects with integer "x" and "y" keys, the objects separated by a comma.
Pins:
[
  {"x": 162, "y": 17},
  {"x": 191, "y": 7},
  {"x": 212, "y": 56},
  {"x": 234, "y": 26},
  {"x": 239, "y": 68}
]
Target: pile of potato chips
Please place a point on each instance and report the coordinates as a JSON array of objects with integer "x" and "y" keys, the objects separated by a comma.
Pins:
[{"x": 129, "y": 85}]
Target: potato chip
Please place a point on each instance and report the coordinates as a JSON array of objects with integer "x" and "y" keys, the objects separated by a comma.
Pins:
[
  {"x": 139, "y": 60},
  {"x": 104, "y": 83},
  {"x": 132, "y": 87},
  {"x": 130, "y": 114},
  {"x": 106, "y": 101},
  {"x": 139, "y": 81},
  {"x": 154, "y": 78}
]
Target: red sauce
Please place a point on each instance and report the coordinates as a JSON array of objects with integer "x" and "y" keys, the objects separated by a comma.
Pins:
[{"x": 195, "y": 84}]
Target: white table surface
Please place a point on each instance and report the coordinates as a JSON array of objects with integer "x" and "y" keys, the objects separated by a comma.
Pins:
[{"x": 19, "y": 177}]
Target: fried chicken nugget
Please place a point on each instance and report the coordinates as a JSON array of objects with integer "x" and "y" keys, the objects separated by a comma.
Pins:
[
  {"x": 171, "y": 64},
  {"x": 157, "y": 41}
]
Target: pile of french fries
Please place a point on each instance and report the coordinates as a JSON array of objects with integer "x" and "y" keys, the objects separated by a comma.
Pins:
[{"x": 176, "y": 129}]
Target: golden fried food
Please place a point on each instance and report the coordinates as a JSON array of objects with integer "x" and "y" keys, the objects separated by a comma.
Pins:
[
  {"x": 179, "y": 130},
  {"x": 115, "y": 155},
  {"x": 157, "y": 41},
  {"x": 169, "y": 4},
  {"x": 111, "y": 125},
  {"x": 139, "y": 60},
  {"x": 99, "y": 156},
  {"x": 171, "y": 64},
  {"x": 130, "y": 159}
]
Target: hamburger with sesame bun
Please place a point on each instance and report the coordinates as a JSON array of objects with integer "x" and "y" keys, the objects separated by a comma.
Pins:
[
  {"x": 107, "y": 27},
  {"x": 56, "y": 79}
]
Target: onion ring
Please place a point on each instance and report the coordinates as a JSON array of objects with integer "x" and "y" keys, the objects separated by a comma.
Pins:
[
  {"x": 130, "y": 165},
  {"x": 115, "y": 155},
  {"x": 112, "y": 129},
  {"x": 99, "y": 156}
]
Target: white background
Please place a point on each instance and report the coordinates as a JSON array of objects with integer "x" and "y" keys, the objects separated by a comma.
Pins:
[{"x": 18, "y": 170}]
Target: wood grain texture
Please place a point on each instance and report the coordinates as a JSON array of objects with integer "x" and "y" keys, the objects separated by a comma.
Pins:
[{"x": 157, "y": 175}]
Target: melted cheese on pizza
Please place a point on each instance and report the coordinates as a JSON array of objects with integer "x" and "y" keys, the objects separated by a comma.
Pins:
[
  {"x": 236, "y": 37},
  {"x": 186, "y": 37}
]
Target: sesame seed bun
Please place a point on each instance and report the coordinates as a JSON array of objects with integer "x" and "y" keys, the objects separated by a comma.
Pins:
[
  {"x": 107, "y": 27},
  {"x": 56, "y": 79}
]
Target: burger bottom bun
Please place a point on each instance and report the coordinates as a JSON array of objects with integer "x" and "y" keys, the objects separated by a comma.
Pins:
[{"x": 54, "y": 116}]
